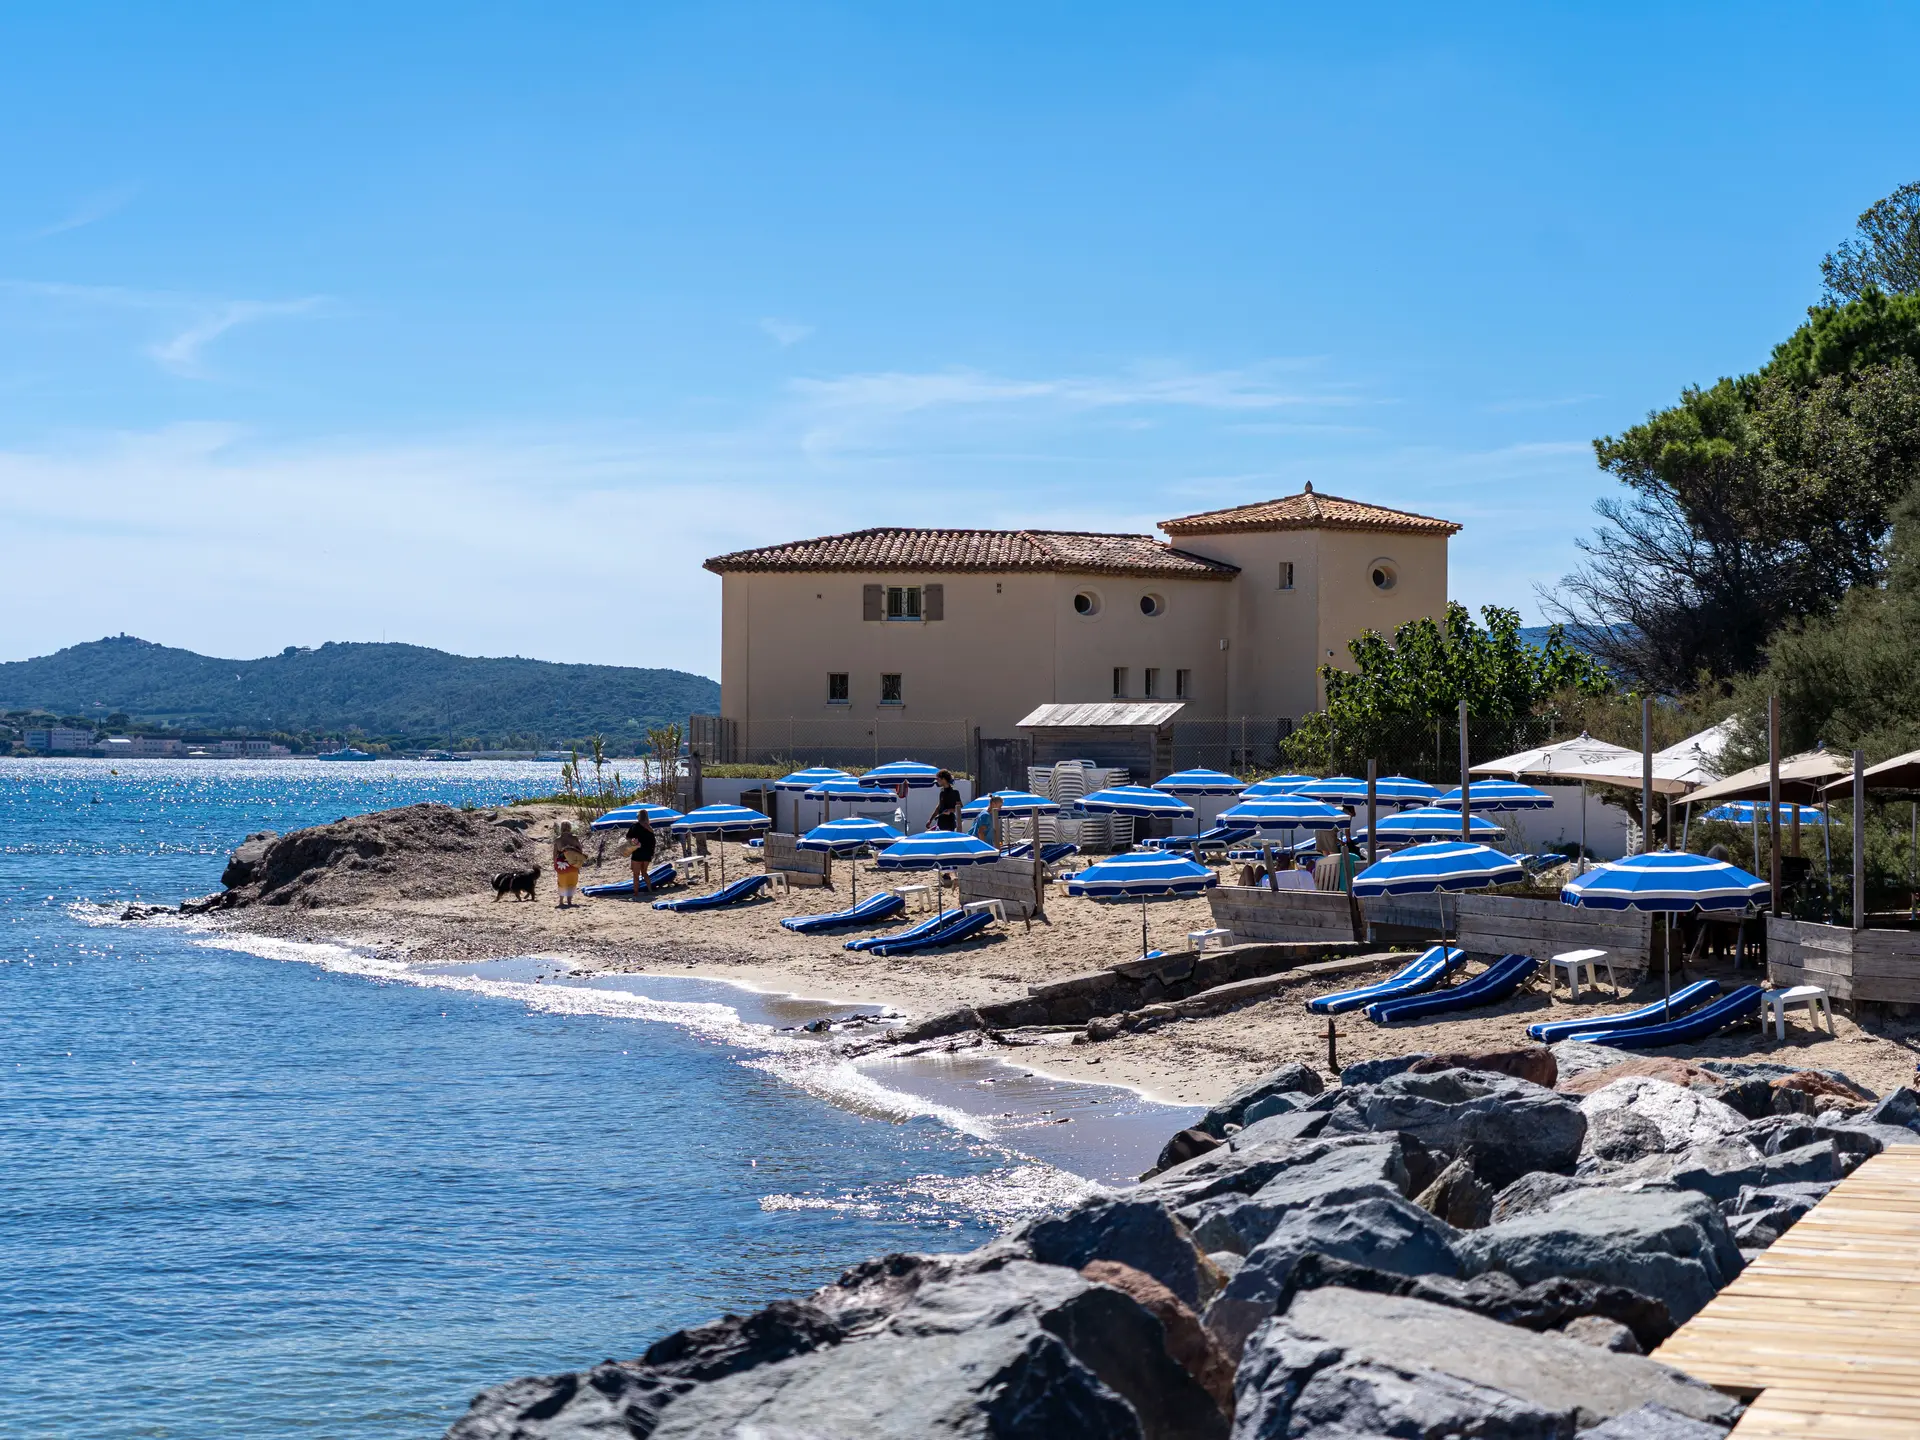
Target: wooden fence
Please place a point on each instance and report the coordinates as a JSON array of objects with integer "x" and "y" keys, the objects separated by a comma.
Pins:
[
  {"x": 1880, "y": 966},
  {"x": 1255, "y": 913},
  {"x": 1507, "y": 925},
  {"x": 806, "y": 867},
  {"x": 1010, "y": 881}
]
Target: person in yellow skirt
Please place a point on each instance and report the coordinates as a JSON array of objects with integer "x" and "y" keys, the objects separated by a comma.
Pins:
[{"x": 568, "y": 857}]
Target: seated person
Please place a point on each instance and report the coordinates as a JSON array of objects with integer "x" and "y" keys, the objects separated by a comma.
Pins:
[{"x": 1288, "y": 874}]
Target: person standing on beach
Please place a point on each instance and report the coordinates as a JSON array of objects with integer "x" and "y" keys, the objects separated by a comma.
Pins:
[
  {"x": 946, "y": 814},
  {"x": 641, "y": 860},
  {"x": 568, "y": 857}
]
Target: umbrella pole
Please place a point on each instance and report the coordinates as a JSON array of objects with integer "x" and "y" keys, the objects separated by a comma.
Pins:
[
  {"x": 1826, "y": 852},
  {"x": 1581, "y": 868},
  {"x": 1666, "y": 963},
  {"x": 1143, "y": 927},
  {"x": 1913, "y": 843}
]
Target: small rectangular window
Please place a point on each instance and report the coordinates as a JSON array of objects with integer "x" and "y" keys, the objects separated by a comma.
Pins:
[
  {"x": 903, "y": 602},
  {"x": 837, "y": 689},
  {"x": 890, "y": 693},
  {"x": 1119, "y": 682},
  {"x": 1286, "y": 574},
  {"x": 1150, "y": 686},
  {"x": 1183, "y": 684}
]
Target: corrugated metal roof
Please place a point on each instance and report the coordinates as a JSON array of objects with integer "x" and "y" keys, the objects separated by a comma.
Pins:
[{"x": 1108, "y": 715}]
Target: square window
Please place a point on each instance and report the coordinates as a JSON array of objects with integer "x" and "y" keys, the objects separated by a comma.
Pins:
[
  {"x": 890, "y": 693},
  {"x": 1151, "y": 682},
  {"x": 903, "y": 602},
  {"x": 838, "y": 691},
  {"x": 1119, "y": 682},
  {"x": 1183, "y": 684},
  {"x": 1286, "y": 574}
]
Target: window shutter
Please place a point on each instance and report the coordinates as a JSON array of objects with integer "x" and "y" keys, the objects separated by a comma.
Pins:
[
  {"x": 873, "y": 600},
  {"x": 933, "y": 602}
]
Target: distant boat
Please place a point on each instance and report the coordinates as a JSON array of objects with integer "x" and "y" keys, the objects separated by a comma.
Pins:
[
  {"x": 444, "y": 757},
  {"x": 349, "y": 753}
]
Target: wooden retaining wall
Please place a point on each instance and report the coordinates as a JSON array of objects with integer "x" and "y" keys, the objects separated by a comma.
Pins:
[
  {"x": 1010, "y": 881},
  {"x": 782, "y": 852},
  {"x": 1508, "y": 925},
  {"x": 1253, "y": 912},
  {"x": 1879, "y": 966}
]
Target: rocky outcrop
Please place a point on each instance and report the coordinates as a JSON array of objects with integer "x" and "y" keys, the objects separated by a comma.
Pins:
[
  {"x": 1509, "y": 1126},
  {"x": 245, "y": 861}
]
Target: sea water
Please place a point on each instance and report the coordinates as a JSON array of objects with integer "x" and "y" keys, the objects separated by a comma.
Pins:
[{"x": 253, "y": 1188}]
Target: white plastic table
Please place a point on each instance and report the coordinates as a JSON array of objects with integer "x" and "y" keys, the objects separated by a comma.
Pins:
[
  {"x": 1814, "y": 997},
  {"x": 909, "y": 893},
  {"x": 1202, "y": 939},
  {"x": 684, "y": 865},
  {"x": 998, "y": 907},
  {"x": 1571, "y": 963}
]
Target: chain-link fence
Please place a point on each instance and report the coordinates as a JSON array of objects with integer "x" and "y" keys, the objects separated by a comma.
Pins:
[
  {"x": 1246, "y": 745},
  {"x": 849, "y": 741}
]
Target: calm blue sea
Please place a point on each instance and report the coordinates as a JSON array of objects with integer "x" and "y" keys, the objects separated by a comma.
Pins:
[{"x": 292, "y": 1190}]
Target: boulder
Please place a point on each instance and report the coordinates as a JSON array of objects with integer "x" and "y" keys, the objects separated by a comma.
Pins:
[
  {"x": 1290, "y": 1079},
  {"x": 1458, "y": 1196},
  {"x": 1269, "y": 1105},
  {"x": 243, "y": 865},
  {"x": 1722, "y": 1169},
  {"x": 1652, "y": 1067},
  {"x": 1509, "y": 1126},
  {"x": 1683, "y": 1116},
  {"x": 1752, "y": 1097},
  {"x": 1853, "y": 1133},
  {"x": 1026, "y": 1350},
  {"x": 1189, "y": 1342},
  {"x": 1655, "y": 1422},
  {"x": 1349, "y": 1363},
  {"x": 1139, "y": 1232},
  {"x": 1670, "y": 1245},
  {"x": 1330, "y": 1173},
  {"x": 1826, "y": 1089},
  {"x": 1856, "y": 1139},
  {"x": 1529, "y": 1062},
  {"x": 1901, "y": 1107},
  {"x": 1184, "y": 1146},
  {"x": 1602, "y": 1333},
  {"x": 1617, "y": 1135},
  {"x": 1243, "y": 1164},
  {"x": 1372, "y": 1072},
  {"x": 1760, "y": 1215},
  {"x": 1575, "y": 1058}
]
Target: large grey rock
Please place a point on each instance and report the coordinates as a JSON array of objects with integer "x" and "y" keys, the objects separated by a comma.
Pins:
[
  {"x": 1619, "y": 1135},
  {"x": 1372, "y": 1072},
  {"x": 1290, "y": 1079},
  {"x": 1348, "y": 1363},
  {"x": 1244, "y": 1163},
  {"x": 1721, "y": 1170},
  {"x": 1654, "y": 1422},
  {"x": 1855, "y": 1132},
  {"x": 1334, "y": 1174},
  {"x": 1671, "y": 1245},
  {"x": 1028, "y": 1350},
  {"x": 1133, "y": 1231},
  {"x": 1682, "y": 1116},
  {"x": 1901, "y": 1107},
  {"x": 1458, "y": 1196},
  {"x": 1508, "y": 1126},
  {"x": 243, "y": 865},
  {"x": 1535, "y": 1192},
  {"x": 1574, "y": 1058},
  {"x": 1760, "y": 1215}
]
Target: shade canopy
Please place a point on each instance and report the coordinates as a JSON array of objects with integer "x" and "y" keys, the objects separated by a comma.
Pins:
[
  {"x": 1284, "y": 812},
  {"x": 1142, "y": 875},
  {"x": 1445, "y": 865},
  {"x": 1200, "y": 782},
  {"x": 1549, "y": 762},
  {"x": 1275, "y": 785},
  {"x": 1339, "y": 789},
  {"x": 849, "y": 789},
  {"x": 1802, "y": 777},
  {"x": 1140, "y": 800},
  {"x": 841, "y": 837},
  {"x": 1012, "y": 802},
  {"x": 1902, "y": 772},
  {"x": 1432, "y": 820},
  {"x": 807, "y": 779},
  {"x": 625, "y": 815},
  {"x": 936, "y": 850},
  {"x": 1748, "y": 812},
  {"x": 721, "y": 820},
  {"x": 1668, "y": 880},
  {"x": 1492, "y": 795},
  {"x": 913, "y": 773}
]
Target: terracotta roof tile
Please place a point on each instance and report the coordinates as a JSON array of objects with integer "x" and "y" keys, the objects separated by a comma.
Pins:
[
  {"x": 897, "y": 549},
  {"x": 1308, "y": 511}
]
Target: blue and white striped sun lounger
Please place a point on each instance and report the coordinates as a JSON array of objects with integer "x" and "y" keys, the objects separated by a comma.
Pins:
[
  {"x": 1659, "y": 1012},
  {"x": 965, "y": 928},
  {"x": 883, "y": 906},
  {"x": 1219, "y": 837},
  {"x": 1421, "y": 974},
  {"x": 1729, "y": 1009},
  {"x": 1489, "y": 987},
  {"x": 729, "y": 895},
  {"x": 925, "y": 927},
  {"x": 658, "y": 878},
  {"x": 1052, "y": 853}
]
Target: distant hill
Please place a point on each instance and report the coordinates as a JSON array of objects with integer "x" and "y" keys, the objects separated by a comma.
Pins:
[{"x": 400, "y": 692}]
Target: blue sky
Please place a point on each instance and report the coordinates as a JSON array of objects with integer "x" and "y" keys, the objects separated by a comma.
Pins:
[{"x": 481, "y": 326}]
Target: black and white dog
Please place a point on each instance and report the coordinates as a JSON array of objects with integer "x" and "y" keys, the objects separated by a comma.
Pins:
[{"x": 515, "y": 882}]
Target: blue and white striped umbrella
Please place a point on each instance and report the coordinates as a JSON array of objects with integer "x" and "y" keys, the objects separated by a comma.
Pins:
[
  {"x": 1749, "y": 812},
  {"x": 1012, "y": 802},
  {"x": 621, "y": 818},
  {"x": 721, "y": 820},
  {"x": 936, "y": 850},
  {"x": 1336, "y": 789},
  {"x": 1432, "y": 821},
  {"x": 851, "y": 790},
  {"x": 1405, "y": 790},
  {"x": 1499, "y": 795},
  {"x": 911, "y": 773},
  {"x": 1138, "y": 800},
  {"x": 1275, "y": 785},
  {"x": 1666, "y": 880},
  {"x": 1142, "y": 873},
  {"x": 1284, "y": 812},
  {"x": 1445, "y": 865},
  {"x": 1199, "y": 782},
  {"x": 844, "y": 836},
  {"x": 807, "y": 779}
]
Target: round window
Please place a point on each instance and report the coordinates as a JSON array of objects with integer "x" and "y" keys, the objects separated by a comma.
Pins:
[
  {"x": 1385, "y": 577},
  {"x": 1152, "y": 605},
  {"x": 1086, "y": 603}
]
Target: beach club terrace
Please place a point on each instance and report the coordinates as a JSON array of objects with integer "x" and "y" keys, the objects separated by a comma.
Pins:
[{"x": 1231, "y": 615}]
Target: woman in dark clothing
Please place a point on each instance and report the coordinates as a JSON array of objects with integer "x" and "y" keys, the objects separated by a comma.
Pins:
[
  {"x": 946, "y": 814},
  {"x": 641, "y": 860}
]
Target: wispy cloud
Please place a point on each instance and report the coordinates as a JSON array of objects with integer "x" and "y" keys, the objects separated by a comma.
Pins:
[
  {"x": 901, "y": 392},
  {"x": 785, "y": 333},
  {"x": 1523, "y": 406},
  {"x": 182, "y": 353},
  {"x": 193, "y": 322},
  {"x": 93, "y": 208}
]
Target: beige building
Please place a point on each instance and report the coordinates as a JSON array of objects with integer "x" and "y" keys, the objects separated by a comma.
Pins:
[{"x": 1232, "y": 614}]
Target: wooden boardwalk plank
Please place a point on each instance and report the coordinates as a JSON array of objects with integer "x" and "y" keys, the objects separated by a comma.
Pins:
[{"x": 1825, "y": 1326}]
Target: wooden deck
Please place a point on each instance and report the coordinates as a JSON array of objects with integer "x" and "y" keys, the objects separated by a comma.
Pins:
[{"x": 1825, "y": 1326}]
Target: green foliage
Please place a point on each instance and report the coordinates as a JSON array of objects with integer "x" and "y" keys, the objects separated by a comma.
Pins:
[
  {"x": 402, "y": 693},
  {"x": 1886, "y": 254},
  {"x": 1844, "y": 339},
  {"x": 1400, "y": 694}
]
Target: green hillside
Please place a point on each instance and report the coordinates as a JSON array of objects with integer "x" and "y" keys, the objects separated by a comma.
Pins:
[{"x": 402, "y": 693}]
